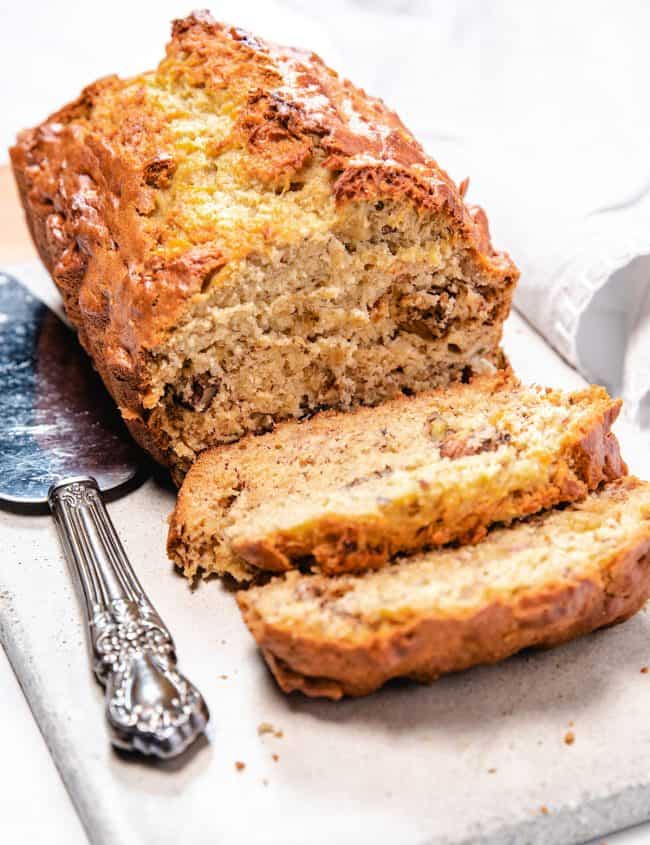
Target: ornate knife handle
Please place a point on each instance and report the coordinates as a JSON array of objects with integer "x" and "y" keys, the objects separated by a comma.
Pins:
[{"x": 150, "y": 706}]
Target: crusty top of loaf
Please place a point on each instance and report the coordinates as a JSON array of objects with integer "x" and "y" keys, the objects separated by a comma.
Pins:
[{"x": 152, "y": 187}]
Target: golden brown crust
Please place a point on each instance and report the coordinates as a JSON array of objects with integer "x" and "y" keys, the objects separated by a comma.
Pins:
[
  {"x": 597, "y": 457},
  {"x": 430, "y": 647},
  {"x": 88, "y": 175}
]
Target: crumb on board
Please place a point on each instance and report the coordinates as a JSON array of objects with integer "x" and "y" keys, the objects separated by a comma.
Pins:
[
  {"x": 240, "y": 766},
  {"x": 569, "y": 738},
  {"x": 224, "y": 677},
  {"x": 544, "y": 809},
  {"x": 644, "y": 670},
  {"x": 492, "y": 771},
  {"x": 268, "y": 728},
  {"x": 275, "y": 757}
]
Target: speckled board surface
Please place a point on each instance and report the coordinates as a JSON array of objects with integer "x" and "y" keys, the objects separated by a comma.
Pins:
[{"x": 478, "y": 757}]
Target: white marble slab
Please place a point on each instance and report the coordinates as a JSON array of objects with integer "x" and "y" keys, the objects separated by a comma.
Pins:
[
  {"x": 410, "y": 765},
  {"x": 28, "y": 777}
]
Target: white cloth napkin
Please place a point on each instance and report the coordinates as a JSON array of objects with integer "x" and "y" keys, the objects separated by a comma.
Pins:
[{"x": 545, "y": 106}]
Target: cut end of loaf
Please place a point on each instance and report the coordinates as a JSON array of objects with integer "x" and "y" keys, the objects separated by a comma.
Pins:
[
  {"x": 387, "y": 303},
  {"x": 539, "y": 582}
]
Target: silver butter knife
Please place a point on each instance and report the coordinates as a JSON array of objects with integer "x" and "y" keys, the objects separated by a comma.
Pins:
[{"x": 63, "y": 445}]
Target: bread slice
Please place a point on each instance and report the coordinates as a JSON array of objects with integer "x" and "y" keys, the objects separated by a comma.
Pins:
[
  {"x": 537, "y": 583},
  {"x": 240, "y": 236},
  {"x": 347, "y": 492}
]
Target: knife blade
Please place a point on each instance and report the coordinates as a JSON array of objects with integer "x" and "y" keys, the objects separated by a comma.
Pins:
[{"x": 56, "y": 418}]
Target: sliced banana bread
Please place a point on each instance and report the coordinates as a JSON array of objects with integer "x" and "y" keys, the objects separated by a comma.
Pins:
[
  {"x": 348, "y": 491},
  {"x": 241, "y": 236},
  {"x": 536, "y": 583}
]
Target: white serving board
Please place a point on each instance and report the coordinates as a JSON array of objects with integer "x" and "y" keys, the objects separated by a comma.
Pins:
[{"x": 472, "y": 758}]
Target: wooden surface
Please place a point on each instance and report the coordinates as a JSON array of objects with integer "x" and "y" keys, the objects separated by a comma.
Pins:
[{"x": 15, "y": 241}]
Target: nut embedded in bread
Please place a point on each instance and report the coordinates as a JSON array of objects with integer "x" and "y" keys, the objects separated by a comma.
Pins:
[
  {"x": 240, "y": 237},
  {"x": 349, "y": 491},
  {"x": 537, "y": 583}
]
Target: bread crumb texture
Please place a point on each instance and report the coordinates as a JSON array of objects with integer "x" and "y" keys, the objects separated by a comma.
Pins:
[
  {"x": 349, "y": 491},
  {"x": 538, "y": 582},
  {"x": 240, "y": 236}
]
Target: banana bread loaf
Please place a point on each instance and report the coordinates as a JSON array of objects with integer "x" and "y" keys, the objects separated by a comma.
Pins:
[
  {"x": 537, "y": 583},
  {"x": 348, "y": 491},
  {"x": 240, "y": 237}
]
